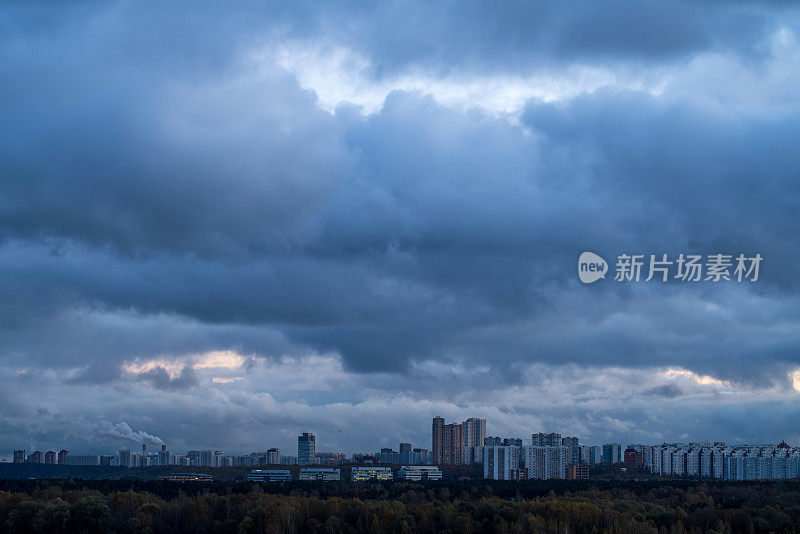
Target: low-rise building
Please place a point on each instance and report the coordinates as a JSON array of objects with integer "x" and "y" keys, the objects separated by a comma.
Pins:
[
  {"x": 187, "y": 477},
  {"x": 419, "y": 472},
  {"x": 359, "y": 474},
  {"x": 269, "y": 475},
  {"x": 578, "y": 472},
  {"x": 319, "y": 473}
]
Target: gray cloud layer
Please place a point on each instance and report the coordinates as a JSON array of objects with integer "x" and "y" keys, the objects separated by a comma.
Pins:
[{"x": 167, "y": 193}]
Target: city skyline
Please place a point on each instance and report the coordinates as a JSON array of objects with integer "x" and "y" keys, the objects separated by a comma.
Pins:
[
  {"x": 479, "y": 436},
  {"x": 548, "y": 456},
  {"x": 223, "y": 225}
]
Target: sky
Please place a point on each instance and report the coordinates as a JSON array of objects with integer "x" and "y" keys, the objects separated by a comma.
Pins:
[{"x": 221, "y": 226}]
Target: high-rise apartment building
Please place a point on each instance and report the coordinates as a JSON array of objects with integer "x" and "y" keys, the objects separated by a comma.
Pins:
[
  {"x": 474, "y": 432},
  {"x": 50, "y": 457},
  {"x": 164, "y": 456},
  {"x": 273, "y": 456},
  {"x": 541, "y": 439},
  {"x": 437, "y": 434},
  {"x": 420, "y": 457},
  {"x": 19, "y": 456},
  {"x": 83, "y": 459},
  {"x": 612, "y": 453},
  {"x": 592, "y": 456},
  {"x": 448, "y": 442},
  {"x": 306, "y": 448},
  {"x": 545, "y": 462},
  {"x": 502, "y": 463},
  {"x": 193, "y": 458},
  {"x": 62, "y": 456},
  {"x": 633, "y": 458},
  {"x": 209, "y": 458},
  {"x": 453, "y": 444},
  {"x": 574, "y": 449},
  {"x": 128, "y": 458},
  {"x": 473, "y": 455}
]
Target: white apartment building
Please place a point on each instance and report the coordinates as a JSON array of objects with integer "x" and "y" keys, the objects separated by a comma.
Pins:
[
  {"x": 678, "y": 465},
  {"x": 82, "y": 459},
  {"x": 763, "y": 462},
  {"x": 502, "y": 462},
  {"x": 545, "y": 462},
  {"x": 691, "y": 461}
]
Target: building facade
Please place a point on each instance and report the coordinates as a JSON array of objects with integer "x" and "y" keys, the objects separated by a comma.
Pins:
[
  {"x": 474, "y": 432},
  {"x": 319, "y": 473},
  {"x": 748, "y": 462},
  {"x": 269, "y": 475},
  {"x": 273, "y": 456},
  {"x": 633, "y": 458},
  {"x": 448, "y": 442},
  {"x": 541, "y": 439},
  {"x": 83, "y": 459},
  {"x": 419, "y": 472},
  {"x": 546, "y": 462},
  {"x": 574, "y": 449},
  {"x": 306, "y": 448},
  {"x": 612, "y": 453},
  {"x": 361, "y": 474},
  {"x": 578, "y": 472},
  {"x": 503, "y": 463}
]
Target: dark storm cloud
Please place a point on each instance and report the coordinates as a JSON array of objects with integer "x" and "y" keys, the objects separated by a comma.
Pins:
[
  {"x": 164, "y": 194},
  {"x": 161, "y": 379},
  {"x": 201, "y": 38},
  {"x": 661, "y": 29},
  {"x": 457, "y": 236},
  {"x": 520, "y": 36}
]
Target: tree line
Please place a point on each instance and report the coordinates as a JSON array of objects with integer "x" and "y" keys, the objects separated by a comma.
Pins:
[{"x": 33, "y": 506}]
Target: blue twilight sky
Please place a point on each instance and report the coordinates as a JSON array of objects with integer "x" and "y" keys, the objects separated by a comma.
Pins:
[{"x": 223, "y": 225}]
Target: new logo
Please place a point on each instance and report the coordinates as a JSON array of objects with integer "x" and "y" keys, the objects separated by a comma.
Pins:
[{"x": 591, "y": 267}]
